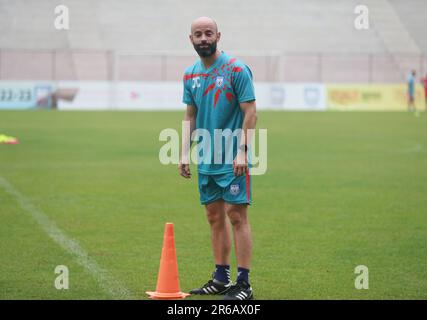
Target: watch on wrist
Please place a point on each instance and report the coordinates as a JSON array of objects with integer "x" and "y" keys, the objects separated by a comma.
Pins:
[{"x": 243, "y": 147}]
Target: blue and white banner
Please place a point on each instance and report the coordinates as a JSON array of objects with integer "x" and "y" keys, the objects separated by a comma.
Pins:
[
  {"x": 105, "y": 95},
  {"x": 168, "y": 96},
  {"x": 25, "y": 94},
  {"x": 291, "y": 96}
]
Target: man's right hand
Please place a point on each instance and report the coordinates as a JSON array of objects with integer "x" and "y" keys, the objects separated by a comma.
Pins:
[{"x": 184, "y": 170}]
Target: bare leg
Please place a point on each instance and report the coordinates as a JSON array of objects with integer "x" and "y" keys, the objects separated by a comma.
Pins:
[
  {"x": 412, "y": 105},
  {"x": 220, "y": 234},
  {"x": 238, "y": 216}
]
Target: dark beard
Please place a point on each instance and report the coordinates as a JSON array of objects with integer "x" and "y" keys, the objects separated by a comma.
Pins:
[{"x": 205, "y": 52}]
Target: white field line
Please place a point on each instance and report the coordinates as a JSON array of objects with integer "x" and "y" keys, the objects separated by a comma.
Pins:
[{"x": 115, "y": 289}]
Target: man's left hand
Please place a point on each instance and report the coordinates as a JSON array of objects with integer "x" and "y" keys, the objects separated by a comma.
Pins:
[{"x": 240, "y": 163}]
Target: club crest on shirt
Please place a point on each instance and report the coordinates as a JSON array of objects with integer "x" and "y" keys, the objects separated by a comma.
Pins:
[
  {"x": 234, "y": 189},
  {"x": 219, "y": 81}
]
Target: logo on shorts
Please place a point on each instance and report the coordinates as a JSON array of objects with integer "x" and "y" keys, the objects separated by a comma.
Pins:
[
  {"x": 234, "y": 189},
  {"x": 219, "y": 81}
]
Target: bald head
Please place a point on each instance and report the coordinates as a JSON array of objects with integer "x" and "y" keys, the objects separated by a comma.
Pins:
[
  {"x": 205, "y": 36},
  {"x": 204, "y": 23}
]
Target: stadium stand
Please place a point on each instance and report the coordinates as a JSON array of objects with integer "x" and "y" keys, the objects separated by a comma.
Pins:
[{"x": 282, "y": 40}]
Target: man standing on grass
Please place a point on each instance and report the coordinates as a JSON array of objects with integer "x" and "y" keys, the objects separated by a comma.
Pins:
[
  {"x": 219, "y": 94},
  {"x": 424, "y": 84}
]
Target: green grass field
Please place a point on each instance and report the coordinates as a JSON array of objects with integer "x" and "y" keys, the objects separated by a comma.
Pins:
[{"x": 341, "y": 190}]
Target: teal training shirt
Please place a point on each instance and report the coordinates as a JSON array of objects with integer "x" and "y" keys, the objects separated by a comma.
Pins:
[
  {"x": 216, "y": 93},
  {"x": 411, "y": 85}
]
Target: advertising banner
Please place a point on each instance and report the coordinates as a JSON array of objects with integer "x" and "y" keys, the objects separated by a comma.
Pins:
[
  {"x": 168, "y": 96},
  {"x": 364, "y": 97},
  {"x": 287, "y": 96},
  {"x": 105, "y": 95},
  {"x": 19, "y": 95}
]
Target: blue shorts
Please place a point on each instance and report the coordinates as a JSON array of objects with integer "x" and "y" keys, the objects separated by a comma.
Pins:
[{"x": 226, "y": 186}]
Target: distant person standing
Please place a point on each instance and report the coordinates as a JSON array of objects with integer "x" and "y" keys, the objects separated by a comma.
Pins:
[
  {"x": 424, "y": 83},
  {"x": 411, "y": 91}
]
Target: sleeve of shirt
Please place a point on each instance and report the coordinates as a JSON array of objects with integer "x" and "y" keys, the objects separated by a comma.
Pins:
[
  {"x": 187, "y": 95},
  {"x": 243, "y": 85}
]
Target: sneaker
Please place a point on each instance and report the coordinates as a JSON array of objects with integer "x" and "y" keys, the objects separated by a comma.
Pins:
[
  {"x": 240, "y": 291},
  {"x": 213, "y": 287}
]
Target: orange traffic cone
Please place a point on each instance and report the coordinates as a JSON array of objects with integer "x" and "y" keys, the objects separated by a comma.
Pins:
[{"x": 168, "y": 280}]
